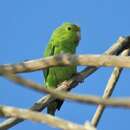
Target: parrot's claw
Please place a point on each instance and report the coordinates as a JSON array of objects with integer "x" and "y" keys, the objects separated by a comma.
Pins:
[{"x": 79, "y": 78}]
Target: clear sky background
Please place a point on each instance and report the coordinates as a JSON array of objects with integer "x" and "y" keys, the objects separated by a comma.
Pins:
[{"x": 26, "y": 26}]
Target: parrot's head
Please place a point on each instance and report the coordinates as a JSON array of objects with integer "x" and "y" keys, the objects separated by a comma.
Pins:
[{"x": 68, "y": 31}]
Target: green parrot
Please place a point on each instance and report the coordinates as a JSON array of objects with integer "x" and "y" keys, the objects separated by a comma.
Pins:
[{"x": 64, "y": 39}]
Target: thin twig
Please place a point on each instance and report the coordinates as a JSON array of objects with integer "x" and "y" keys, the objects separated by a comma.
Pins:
[
  {"x": 42, "y": 103},
  {"x": 108, "y": 90}
]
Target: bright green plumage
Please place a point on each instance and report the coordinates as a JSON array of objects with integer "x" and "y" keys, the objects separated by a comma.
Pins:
[{"x": 63, "y": 40}]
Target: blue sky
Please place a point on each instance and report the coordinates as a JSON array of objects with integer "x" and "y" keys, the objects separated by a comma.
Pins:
[{"x": 25, "y": 27}]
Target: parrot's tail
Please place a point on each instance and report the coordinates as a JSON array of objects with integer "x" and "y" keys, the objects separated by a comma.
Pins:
[
  {"x": 53, "y": 106},
  {"x": 50, "y": 111}
]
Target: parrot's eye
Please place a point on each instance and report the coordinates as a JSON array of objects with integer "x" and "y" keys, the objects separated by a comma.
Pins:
[{"x": 69, "y": 28}]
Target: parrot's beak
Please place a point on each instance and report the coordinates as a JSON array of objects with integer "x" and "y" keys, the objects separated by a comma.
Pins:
[{"x": 78, "y": 35}]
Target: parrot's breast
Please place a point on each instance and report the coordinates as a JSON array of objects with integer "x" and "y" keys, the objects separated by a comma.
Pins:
[{"x": 57, "y": 75}]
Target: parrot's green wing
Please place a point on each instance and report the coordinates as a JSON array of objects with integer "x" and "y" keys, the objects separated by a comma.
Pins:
[{"x": 48, "y": 52}]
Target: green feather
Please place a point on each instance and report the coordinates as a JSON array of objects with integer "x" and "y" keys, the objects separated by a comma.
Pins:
[{"x": 63, "y": 40}]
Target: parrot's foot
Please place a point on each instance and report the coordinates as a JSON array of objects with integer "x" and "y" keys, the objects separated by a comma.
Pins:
[{"x": 79, "y": 77}]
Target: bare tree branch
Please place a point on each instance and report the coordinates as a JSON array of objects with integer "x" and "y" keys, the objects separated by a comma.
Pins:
[
  {"x": 108, "y": 90},
  {"x": 56, "y": 93},
  {"x": 41, "y": 118},
  {"x": 37, "y": 106},
  {"x": 120, "y": 45},
  {"x": 67, "y": 59}
]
